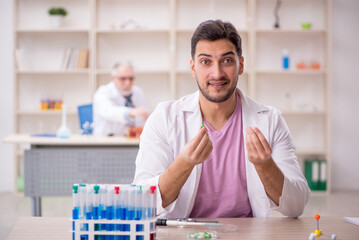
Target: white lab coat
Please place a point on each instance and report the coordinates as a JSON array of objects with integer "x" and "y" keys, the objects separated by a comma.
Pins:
[
  {"x": 109, "y": 110},
  {"x": 174, "y": 123}
]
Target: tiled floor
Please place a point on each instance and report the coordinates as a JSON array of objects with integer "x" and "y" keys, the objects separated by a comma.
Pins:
[{"x": 343, "y": 203}]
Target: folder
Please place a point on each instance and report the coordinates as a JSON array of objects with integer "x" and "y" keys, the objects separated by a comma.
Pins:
[{"x": 315, "y": 173}]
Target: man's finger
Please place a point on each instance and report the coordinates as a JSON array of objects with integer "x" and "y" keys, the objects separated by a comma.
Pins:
[
  {"x": 263, "y": 140},
  {"x": 192, "y": 145},
  {"x": 206, "y": 151},
  {"x": 201, "y": 146},
  {"x": 256, "y": 142},
  {"x": 249, "y": 142}
]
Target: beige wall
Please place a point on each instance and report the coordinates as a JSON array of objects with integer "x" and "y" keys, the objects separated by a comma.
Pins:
[{"x": 345, "y": 95}]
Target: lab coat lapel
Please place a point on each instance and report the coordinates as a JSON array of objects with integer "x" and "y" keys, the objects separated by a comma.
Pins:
[
  {"x": 193, "y": 120},
  {"x": 252, "y": 115}
]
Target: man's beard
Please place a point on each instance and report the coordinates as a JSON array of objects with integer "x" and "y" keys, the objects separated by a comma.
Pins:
[{"x": 218, "y": 100}]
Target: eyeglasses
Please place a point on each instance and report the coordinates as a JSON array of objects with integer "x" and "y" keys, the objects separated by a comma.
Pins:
[{"x": 122, "y": 79}]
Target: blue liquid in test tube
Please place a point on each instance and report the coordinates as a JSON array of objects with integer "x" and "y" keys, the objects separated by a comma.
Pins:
[
  {"x": 75, "y": 207},
  {"x": 82, "y": 210},
  {"x": 96, "y": 210},
  {"x": 103, "y": 202},
  {"x": 117, "y": 201},
  {"x": 138, "y": 210},
  {"x": 110, "y": 212}
]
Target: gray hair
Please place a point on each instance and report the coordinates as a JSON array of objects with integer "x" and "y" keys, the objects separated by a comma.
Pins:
[{"x": 117, "y": 65}]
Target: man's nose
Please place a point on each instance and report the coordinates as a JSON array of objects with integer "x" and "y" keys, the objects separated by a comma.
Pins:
[{"x": 216, "y": 71}]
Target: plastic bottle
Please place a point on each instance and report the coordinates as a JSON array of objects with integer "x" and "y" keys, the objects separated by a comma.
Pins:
[{"x": 285, "y": 59}]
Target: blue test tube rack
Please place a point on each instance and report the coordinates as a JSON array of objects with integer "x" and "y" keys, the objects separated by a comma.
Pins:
[{"x": 138, "y": 227}]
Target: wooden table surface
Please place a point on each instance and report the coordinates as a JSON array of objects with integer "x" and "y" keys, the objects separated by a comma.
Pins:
[{"x": 248, "y": 228}]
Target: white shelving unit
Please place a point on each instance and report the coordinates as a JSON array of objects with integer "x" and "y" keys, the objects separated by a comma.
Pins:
[{"x": 159, "y": 49}]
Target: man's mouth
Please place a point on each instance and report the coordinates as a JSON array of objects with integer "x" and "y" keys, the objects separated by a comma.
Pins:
[{"x": 217, "y": 84}]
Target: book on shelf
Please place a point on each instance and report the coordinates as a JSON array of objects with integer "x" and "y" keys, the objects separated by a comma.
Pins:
[
  {"x": 75, "y": 58},
  {"x": 20, "y": 59}
]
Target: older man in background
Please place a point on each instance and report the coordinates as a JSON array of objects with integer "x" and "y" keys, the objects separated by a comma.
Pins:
[{"x": 119, "y": 104}]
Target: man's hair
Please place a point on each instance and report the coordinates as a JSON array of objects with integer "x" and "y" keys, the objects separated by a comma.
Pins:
[
  {"x": 116, "y": 65},
  {"x": 213, "y": 30}
]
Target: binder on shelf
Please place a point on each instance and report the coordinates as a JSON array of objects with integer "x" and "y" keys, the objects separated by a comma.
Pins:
[{"x": 315, "y": 173}]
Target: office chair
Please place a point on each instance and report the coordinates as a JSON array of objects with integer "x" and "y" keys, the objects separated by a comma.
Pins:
[{"x": 85, "y": 117}]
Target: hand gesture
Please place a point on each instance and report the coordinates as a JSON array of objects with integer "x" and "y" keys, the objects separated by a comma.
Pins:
[
  {"x": 258, "y": 148},
  {"x": 198, "y": 149},
  {"x": 139, "y": 112}
]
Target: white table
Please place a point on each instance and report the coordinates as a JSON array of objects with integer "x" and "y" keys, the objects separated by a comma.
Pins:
[{"x": 52, "y": 165}]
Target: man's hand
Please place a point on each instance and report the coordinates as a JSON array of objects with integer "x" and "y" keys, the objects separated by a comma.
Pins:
[
  {"x": 258, "y": 149},
  {"x": 139, "y": 112},
  {"x": 198, "y": 149},
  {"x": 172, "y": 180},
  {"x": 259, "y": 153}
]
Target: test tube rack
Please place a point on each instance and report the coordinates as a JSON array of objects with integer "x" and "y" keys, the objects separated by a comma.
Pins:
[{"x": 148, "y": 233}]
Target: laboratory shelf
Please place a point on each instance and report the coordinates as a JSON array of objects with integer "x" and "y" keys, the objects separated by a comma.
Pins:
[
  {"x": 302, "y": 152},
  {"x": 45, "y": 72},
  {"x": 125, "y": 31},
  {"x": 52, "y": 30},
  {"x": 190, "y": 31},
  {"x": 137, "y": 72},
  {"x": 44, "y": 112},
  {"x": 292, "y": 72},
  {"x": 307, "y": 113},
  {"x": 159, "y": 50},
  {"x": 291, "y": 31}
]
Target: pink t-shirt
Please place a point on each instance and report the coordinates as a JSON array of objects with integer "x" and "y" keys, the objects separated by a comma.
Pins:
[{"x": 222, "y": 190}]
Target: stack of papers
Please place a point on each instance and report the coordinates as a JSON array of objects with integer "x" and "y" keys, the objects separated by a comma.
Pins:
[{"x": 353, "y": 220}]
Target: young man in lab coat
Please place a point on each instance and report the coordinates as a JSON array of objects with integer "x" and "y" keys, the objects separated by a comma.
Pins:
[
  {"x": 241, "y": 163},
  {"x": 118, "y": 104}
]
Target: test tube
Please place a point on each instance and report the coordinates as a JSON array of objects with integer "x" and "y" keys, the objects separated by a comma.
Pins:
[
  {"x": 103, "y": 200},
  {"x": 130, "y": 207},
  {"x": 89, "y": 202},
  {"x": 110, "y": 211},
  {"x": 117, "y": 201},
  {"x": 138, "y": 210},
  {"x": 152, "y": 209},
  {"x": 153, "y": 206},
  {"x": 82, "y": 192},
  {"x": 96, "y": 203},
  {"x": 82, "y": 209},
  {"x": 75, "y": 206},
  {"x": 125, "y": 202},
  {"x": 96, "y": 209}
]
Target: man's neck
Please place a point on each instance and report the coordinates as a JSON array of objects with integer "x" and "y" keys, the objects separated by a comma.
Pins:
[{"x": 217, "y": 114}]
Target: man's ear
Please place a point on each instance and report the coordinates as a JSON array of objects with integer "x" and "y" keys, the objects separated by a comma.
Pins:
[
  {"x": 192, "y": 68},
  {"x": 241, "y": 65}
]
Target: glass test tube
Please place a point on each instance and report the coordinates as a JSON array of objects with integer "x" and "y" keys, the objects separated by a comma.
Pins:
[
  {"x": 75, "y": 207},
  {"x": 118, "y": 210},
  {"x": 110, "y": 210}
]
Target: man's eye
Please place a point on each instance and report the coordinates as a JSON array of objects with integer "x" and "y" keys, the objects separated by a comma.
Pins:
[
  {"x": 204, "y": 62},
  {"x": 228, "y": 60}
]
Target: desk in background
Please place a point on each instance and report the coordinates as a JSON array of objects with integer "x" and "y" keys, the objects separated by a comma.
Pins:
[
  {"x": 53, "y": 165},
  {"x": 248, "y": 228}
]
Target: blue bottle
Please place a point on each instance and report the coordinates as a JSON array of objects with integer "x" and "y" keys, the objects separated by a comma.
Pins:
[{"x": 285, "y": 59}]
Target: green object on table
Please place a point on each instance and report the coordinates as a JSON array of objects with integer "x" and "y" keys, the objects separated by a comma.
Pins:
[{"x": 306, "y": 25}]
